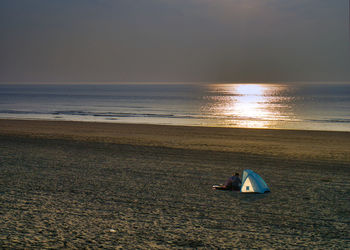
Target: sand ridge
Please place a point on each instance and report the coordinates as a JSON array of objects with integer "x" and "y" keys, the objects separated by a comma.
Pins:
[{"x": 301, "y": 144}]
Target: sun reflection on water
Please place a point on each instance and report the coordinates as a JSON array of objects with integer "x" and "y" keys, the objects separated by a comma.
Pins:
[{"x": 247, "y": 105}]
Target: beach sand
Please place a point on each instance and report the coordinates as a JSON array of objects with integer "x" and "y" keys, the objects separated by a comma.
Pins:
[{"x": 104, "y": 185}]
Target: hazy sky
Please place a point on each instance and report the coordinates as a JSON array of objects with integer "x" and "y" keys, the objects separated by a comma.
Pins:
[{"x": 174, "y": 40}]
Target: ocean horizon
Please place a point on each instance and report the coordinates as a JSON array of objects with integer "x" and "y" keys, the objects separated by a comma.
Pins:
[{"x": 301, "y": 106}]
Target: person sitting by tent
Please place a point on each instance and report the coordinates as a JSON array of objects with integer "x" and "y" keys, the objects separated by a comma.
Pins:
[{"x": 233, "y": 183}]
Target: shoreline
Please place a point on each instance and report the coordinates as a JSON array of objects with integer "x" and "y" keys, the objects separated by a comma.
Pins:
[
  {"x": 112, "y": 121},
  {"x": 309, "y": 144},
  {"x": 165, "y": 125}
]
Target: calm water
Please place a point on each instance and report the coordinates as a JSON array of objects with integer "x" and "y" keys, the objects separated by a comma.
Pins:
[{"x": 287, "y": 106}]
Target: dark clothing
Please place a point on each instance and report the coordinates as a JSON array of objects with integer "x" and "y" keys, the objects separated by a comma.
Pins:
[
  {"x": 228, "y": 188},
  {"x": 233, "y": 183}
]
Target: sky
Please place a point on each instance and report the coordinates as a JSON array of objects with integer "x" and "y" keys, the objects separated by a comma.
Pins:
[{"x": 174, "y": 40}]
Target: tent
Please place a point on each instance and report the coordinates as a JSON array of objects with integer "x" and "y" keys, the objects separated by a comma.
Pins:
[{"x": 253, "y": 183}]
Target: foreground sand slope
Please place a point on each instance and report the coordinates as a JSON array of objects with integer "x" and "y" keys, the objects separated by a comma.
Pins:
[
  {"x": 74, "y": 194},
  {"x": 317, "y": 145},
  {"x": 65, "y": 185}
]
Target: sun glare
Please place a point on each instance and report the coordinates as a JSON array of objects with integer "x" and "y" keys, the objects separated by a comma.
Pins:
[{"x": 244, "y": 105}]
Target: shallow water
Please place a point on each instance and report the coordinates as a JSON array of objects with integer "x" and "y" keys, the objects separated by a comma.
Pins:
[{"x": 281, "y": 106}]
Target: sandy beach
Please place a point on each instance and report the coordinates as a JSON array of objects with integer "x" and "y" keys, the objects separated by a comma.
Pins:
[{"x": 106, "y": 185}]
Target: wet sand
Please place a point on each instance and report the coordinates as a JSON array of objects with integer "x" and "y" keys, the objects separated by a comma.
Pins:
[{"x": 75, "y": 184}]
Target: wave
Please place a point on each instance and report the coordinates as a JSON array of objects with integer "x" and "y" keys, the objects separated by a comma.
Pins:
[
  {"x": 330, "y": 120},
  {"x": 203, "y": 117},
  {"x": 96, "y": 114}
]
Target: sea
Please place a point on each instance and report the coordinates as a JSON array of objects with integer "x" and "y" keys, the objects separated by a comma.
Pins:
[{"x": 300, "y": 106}]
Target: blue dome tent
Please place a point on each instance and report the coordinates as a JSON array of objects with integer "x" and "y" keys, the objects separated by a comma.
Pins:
[{"x": 253, "y": 183}]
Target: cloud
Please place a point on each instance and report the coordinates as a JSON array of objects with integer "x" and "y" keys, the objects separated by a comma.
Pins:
[{"x": 183, "y": 40}]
